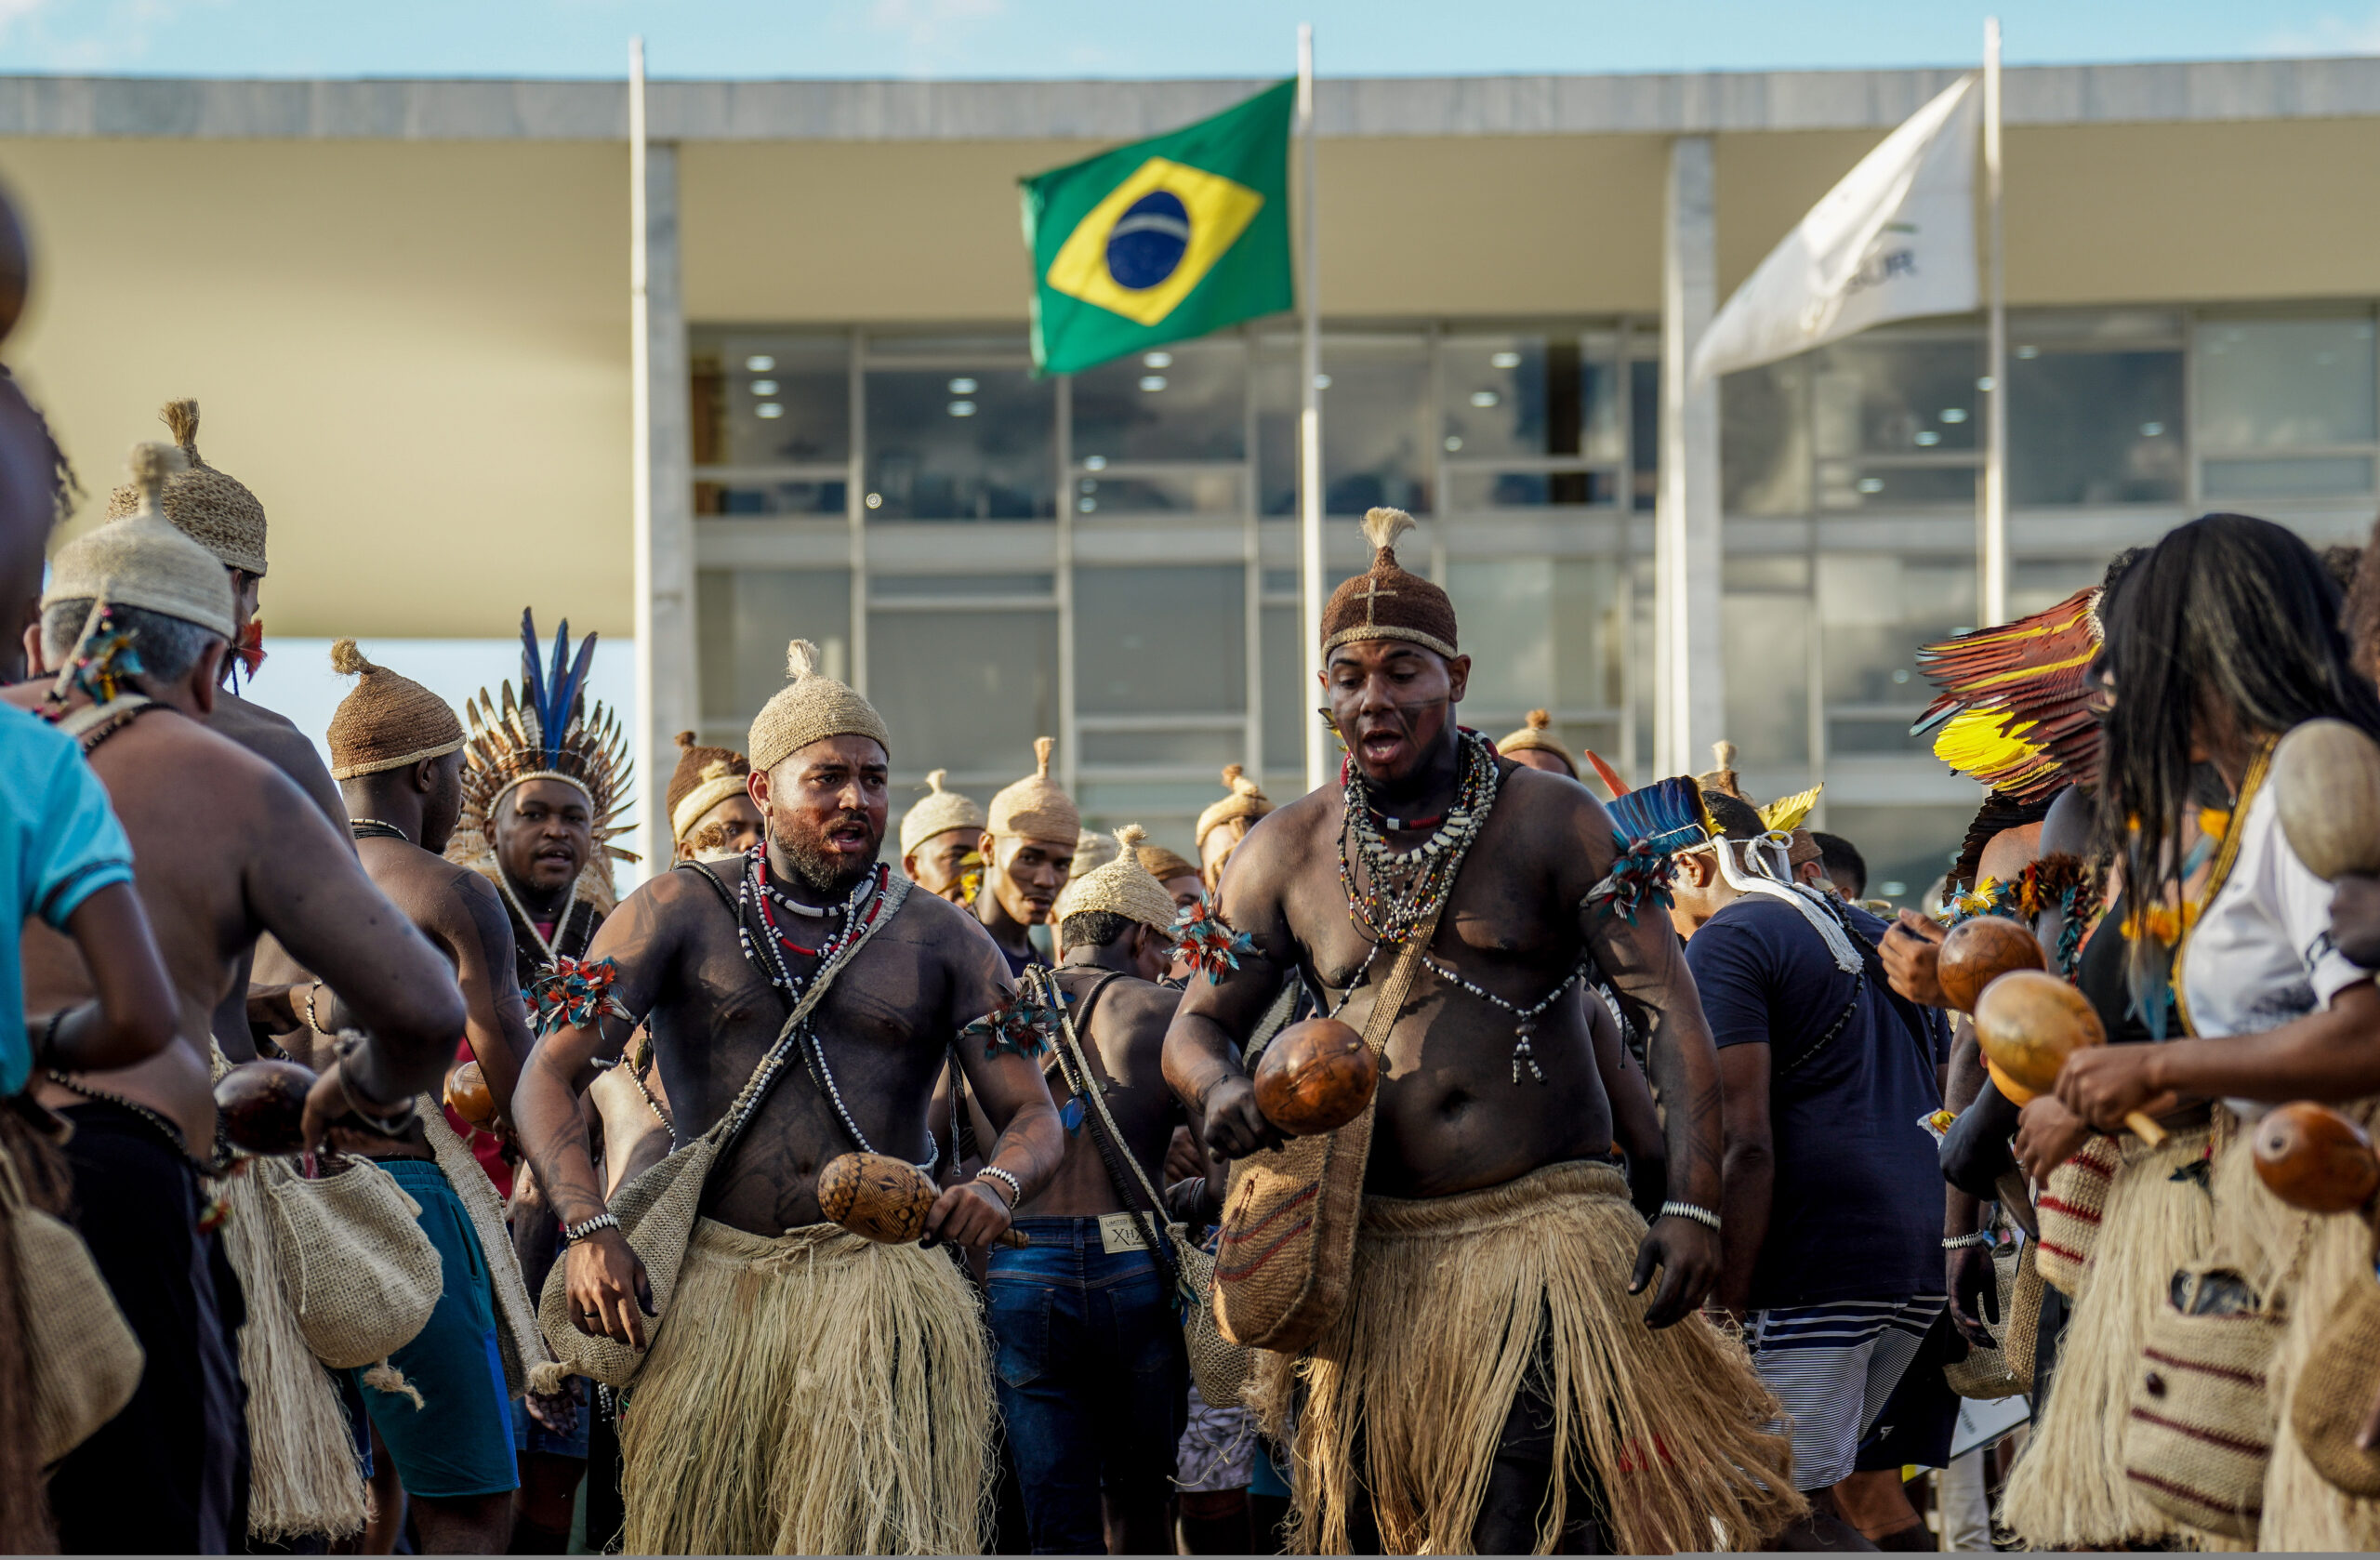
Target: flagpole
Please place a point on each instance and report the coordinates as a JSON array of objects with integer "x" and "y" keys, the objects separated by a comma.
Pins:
[
  {"x": 1310, "y": 581},
  {"x": 1993, "y": 543},
  {"x": 652, "y": 828}
]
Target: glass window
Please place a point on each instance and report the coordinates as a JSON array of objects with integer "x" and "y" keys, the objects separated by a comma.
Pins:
[
  {"x": 1530, "y": 396},
  {"x": 1644, "y": 431},
  {"x": 1765, "y": 440},
  {"x": 1906, "y": 848},
  {"x": 1375, "y": 407},
  {"x": 1168, "y": 808},
  {"x": 1875, "y": 610},
  {"x": 959, "y": 444},
  {"x": 1160, "y": 640},
  {"x": 743, "y": 620},
  {"x": 1184, "y": 402},
  {"x": 884, "y": 586},
  {"x": 964, "y": 691},
  {"x": 2279, "y": 385},
  {"x": 1290, "y": 696},
  {"x": 2312, "y": 477},
  {"x": 1884, "y": 413},
  {"x": 1215, "y": 491},
  {"x": 1765, "y": 637},
  {"x": 1173, "y": 747},
  {"x": 2093, "y": 428},
  {"x": 771, "y": 399},
  {"x": 816, "y": 498},
  {"x": 1540, "y": 633}
]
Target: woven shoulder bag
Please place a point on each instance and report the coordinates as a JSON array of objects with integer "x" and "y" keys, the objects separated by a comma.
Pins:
[
  {"x": 2338, "y": 1390},
  {"x": 361, "y": 1273},
  {"x": 2202, "y": 1419},
  {"x": 656, "y": 1211},
  {"x": 2072, "y": 1202},
  {"x": 85, "y": 1360},
  {"x": 1987, "y": 1374}
]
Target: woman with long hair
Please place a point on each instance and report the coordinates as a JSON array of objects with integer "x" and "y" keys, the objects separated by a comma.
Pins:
[{"x": 2224, "y": 639}]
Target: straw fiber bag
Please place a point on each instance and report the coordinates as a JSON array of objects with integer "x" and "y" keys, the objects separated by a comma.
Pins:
[
  {"x": 2335, "y": 1395},
  {"x": 1290, "y": 1213},
  {"x": 2071, "y": 1206},
  {"x": 361, "y": 1273},
  {"x": 1987, "y": 1374},
  {"x": 656, "y": 1211},
  {"x": 2202, "y": 1421},
  {"x": 2021, "y": 1321},
  {"x": 84, "y": 1361}
]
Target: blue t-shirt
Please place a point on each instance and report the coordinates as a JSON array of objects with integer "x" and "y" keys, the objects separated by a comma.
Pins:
[
  {"x": 60, "y": 843},
  {"x": 1858, "y": 1209}
]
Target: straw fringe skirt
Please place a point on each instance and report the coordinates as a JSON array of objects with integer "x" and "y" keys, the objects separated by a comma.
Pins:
[
  {"x": 2265, "y": 1237},
  {"x": 2069, "y": 1489},
  {"x": 1447, "y": 1304},
  {"x": 815, "y": 1394}
]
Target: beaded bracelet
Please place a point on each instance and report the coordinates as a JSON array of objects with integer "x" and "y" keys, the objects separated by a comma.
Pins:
[
  {"x": 1688, "y": 1210},
  {"x": 1015, "y": 1187},
  {"x": 572, "y": 1234},
  {"x": 1962, "y": 1242},
  {"x": 391, "y": 1125}
]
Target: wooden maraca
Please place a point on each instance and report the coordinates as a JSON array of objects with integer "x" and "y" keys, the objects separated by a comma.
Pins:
[
  {"x": 263, "y": 1105},
  {"x": 468, "y": 1096},
  {"x": 883, "y": 1198},
  {"x": 2326, "y": 787},
  {"x": 1979, "y": 951},
  {"x": 2029, "y": 1022},
  {"x": 2315, "y": 1159},
  {"x": 1315, "y": 1077}
]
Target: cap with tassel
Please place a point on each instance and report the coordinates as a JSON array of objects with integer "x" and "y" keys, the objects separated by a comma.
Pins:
[
  {"x": 140, "y": 561},
  {"x": 213, "y": 507},
  {"x": 1387, "y": 601},
  {"x": 388, "y": 722},
  {"x": 811, "y": 708},
  {"x": 1245, "y": 800},
  {"x": 1122, "y": 886},
  {"x": 1537, "y": 735},
  {"x": 939, "y": 812},
  {"x": 1034, "y": 808}
]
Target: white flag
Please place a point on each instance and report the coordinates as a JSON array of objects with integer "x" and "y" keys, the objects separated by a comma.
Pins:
[{"x": 1894, "y": 240}]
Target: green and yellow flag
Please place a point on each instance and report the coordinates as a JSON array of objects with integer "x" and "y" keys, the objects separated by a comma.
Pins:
[{"x": 1162, "y": 240}]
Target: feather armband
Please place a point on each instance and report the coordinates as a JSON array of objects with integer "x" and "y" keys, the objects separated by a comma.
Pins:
[
  {"x": 575, "y": 993},
  {"x": 1640, "y": 875},
  {"x": 1024, "y": 1025},
  {"x": 1206, "y": 942}
]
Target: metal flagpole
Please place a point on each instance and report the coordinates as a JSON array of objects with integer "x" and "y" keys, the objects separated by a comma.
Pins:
[
  {"x": 652, "y": 827},
  {"x": 1992, "y": 545},
  {"x": 1310, "y": 577}
]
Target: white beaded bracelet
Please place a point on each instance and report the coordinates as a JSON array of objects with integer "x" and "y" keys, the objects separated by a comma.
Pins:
[
  {"x": 1015, "y": 1187},
  {"x": 1688, "y": 1210}
]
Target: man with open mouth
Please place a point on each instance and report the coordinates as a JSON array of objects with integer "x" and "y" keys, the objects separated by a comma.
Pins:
[{"x": 1028, "y": 853}]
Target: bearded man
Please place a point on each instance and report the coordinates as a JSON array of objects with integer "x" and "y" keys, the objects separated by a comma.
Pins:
[
  {"x": 807, "y": 1391},
  {"x": 225, "y": 848},
  {"x": 1538, "y": 1405},
  {"x": 1028, "y": 854},
  {"x": 939, "y": 837}
]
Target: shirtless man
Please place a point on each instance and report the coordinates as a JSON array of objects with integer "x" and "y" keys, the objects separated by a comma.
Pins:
[
  {"x": 939, "y": 835},
  {"x": 1027, "y": 847},
  {"x": 1483, "y": 1116},
  {"x": 225, "y": 848},
  {"x": 766, "y": 1417}
]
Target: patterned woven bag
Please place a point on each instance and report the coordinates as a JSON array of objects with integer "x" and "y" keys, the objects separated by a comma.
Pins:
[
  {"x": 2071, "y": 1206},
  {"x": 2202, "y": 1421},
  {"x": 1987, "y": 1374}
]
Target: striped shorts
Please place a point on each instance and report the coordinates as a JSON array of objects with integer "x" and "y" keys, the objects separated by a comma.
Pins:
[{"x": 1833, "y": 1367}]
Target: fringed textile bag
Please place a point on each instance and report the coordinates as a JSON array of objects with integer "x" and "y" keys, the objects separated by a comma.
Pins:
[{"x": 2202, "y": 1421}]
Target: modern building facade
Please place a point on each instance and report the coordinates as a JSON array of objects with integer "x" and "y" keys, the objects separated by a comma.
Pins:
[{"x": 405, "y": 307}]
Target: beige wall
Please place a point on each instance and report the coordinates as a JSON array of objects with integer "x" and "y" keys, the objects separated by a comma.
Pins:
[{"x": 416, "y": 353}]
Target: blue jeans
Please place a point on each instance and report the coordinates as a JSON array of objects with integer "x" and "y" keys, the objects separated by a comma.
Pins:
[{"x": 1093, "y": 1378}]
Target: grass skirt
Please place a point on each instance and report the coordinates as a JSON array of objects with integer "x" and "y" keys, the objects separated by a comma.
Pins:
[
  {"x": 2267, "y": 1240},
  {"x": 1448, "y": 1300},
  {"x": 818, "y": 1394},
  {"x": 2069, "y": 1489}
]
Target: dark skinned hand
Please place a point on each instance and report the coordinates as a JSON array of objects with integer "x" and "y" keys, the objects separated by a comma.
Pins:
[
  {"x": 558, "y": 1413},
  {"x": 969, "y": 1214},
  {"x": 1687, "y": 1252},
  {"x": 1912, "y": 949},
  {"x": 610, "y": 1296},
  {"x": 1235, "y": 1127},
  {"x": 1973, "y": 1283},
  {"x": 330, "y": 1100},
  {"x": 2355, "y": 919},
  {"x": 2047, "y": 1135},
  {"x": 2103, "y": 1084}
]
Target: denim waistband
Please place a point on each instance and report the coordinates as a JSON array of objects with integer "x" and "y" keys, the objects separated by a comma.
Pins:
[{"x": 1068, "y": 1250}]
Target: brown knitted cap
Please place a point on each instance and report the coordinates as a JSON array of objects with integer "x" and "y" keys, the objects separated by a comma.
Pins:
[
  {"x": 1163, "y": 864},
  {"x": 1123, "y": 886},
  {"x": 811, "y": 708},
  {"x": 1386, "y": 602},
  {"x": 939, "y": 812},
  {"x": 1537, "y": 735},
  {"x": 388, "y": 722},
  {"x": 1246, "y": 800},
  {"x": 1034, "y": 808},
  {"x": 705, "y": 777},
  {"x": 215, "y": 509}
]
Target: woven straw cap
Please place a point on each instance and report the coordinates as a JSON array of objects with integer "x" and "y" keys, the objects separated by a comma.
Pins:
[
  {"x": 1537, "y": 734},
  {"x": 216, "y": 510},
  {"x": 811, "y": 708},
  {"x": 939, "y": 812},
  {"x": 143, "y": 561},
  {"x": 388, "y": 722},
  {"x": 1034, "y": 808},
  {"x": 1386, "y": 601},
  {"x": 1092, "y": 853},
  {"x": 1246, "y": 800},
  {"x": 1123, "y": 886},
  {"x": 705, "y": 777}
]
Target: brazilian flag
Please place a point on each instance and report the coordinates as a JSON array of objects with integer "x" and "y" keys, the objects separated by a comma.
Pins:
[{"x": 1162, "y": 240}]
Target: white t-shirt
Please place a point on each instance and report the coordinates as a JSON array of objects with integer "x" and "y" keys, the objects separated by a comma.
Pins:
[{"x": 2261, "y": 953}]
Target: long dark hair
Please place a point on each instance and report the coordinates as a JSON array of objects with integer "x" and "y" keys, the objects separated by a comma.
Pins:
[{"x": 2228, "y": 612}]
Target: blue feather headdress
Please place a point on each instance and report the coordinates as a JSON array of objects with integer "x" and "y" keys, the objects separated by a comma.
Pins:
[
  {"x": 547, "y": 731},
  {"x": 1650, "y": 824}
]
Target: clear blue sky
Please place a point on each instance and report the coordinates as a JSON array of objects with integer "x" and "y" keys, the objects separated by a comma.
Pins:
[{"x": 1001, "y": 38}]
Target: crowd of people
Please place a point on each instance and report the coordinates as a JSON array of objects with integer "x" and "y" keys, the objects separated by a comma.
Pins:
[{"x": 1476, "y": 1155}]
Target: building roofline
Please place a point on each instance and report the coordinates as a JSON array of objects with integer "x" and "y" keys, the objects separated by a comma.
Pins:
[{"x": 462, "y": 109}]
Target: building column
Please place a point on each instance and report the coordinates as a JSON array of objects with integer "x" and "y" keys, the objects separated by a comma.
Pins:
[
  {"x": 669, "y": 693},
  {"x": 1690, "y": 660}
]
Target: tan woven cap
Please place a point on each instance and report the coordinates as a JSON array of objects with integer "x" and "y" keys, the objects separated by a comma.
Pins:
[
  {"x": 216, "y": 509},
  {"x": 811, "y": 708},
  {"x": 1246, "y": 800},
  {"x": 1034, "y": 808},
  {"x": 1092, "y": 853},
  {"x": 1123, "y": 886},
  {"x": 1164, "y": 865},
  {"x": 705, "y": 777},
  {"x": 388, "y": 720},
  {"x": 939, "y": 812},
  {"x": 143, "y": 561},
  {"x": 1537, "y": 734}
]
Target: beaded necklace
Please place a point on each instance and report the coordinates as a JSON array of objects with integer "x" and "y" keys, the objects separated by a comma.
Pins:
[
  {"x": 374, "y": 828},
  {"x": 562, "y": 927}
]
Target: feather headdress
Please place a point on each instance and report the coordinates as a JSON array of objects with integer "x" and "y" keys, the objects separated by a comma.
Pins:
[
  {"x": 549, "y": 731},
  {"x": 2013, "y": 711}
]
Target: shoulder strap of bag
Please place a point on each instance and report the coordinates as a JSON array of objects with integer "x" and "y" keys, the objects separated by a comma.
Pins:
[{"x": 1104, "y": 1132}]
